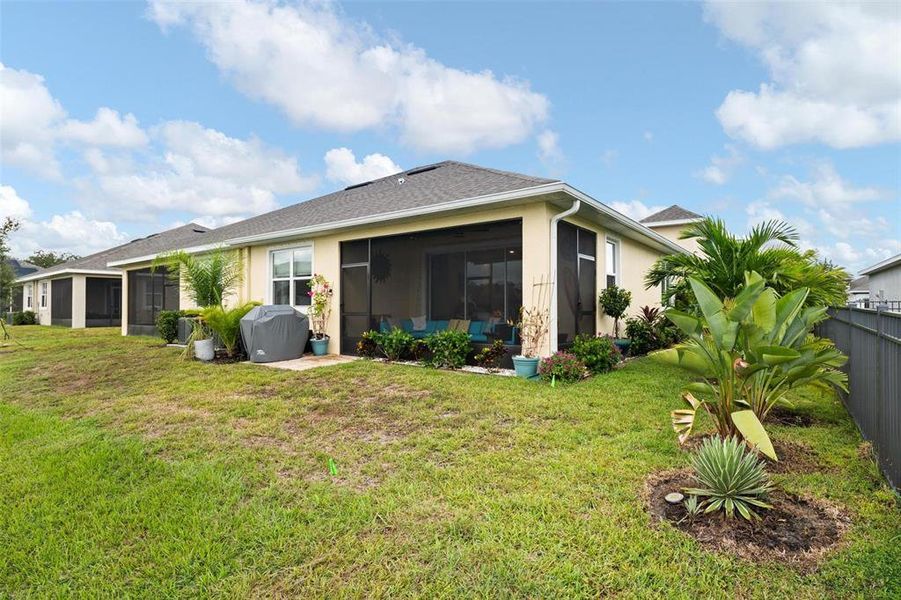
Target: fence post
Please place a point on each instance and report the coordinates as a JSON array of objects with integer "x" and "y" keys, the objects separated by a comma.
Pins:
[{"x": 879, "y": 343}]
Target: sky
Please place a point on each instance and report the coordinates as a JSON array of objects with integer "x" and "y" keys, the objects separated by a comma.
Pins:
[{"x": 119, "y": 119}]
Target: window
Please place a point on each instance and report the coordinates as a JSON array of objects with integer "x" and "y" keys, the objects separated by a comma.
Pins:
[
  {"x": 29, "y": 291},
  {"x": 44, "y": 286},
  {"x": 291, "y": 271},
  {"x": 612, "y": 262}
]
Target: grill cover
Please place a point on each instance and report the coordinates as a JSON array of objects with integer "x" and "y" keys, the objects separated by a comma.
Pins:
[{"x": 275, "y": 332}]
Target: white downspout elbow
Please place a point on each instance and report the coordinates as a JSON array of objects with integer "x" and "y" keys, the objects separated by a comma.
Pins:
[{"x": 552, "y": 326}]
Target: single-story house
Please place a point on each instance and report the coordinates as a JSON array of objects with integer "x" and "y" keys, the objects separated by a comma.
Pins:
[
  {"x": 439, "y": 243},
  {"x": 12, "y": 296},
  {"x": 671, "y": 222},
  {"x": 87, "y": 292},
  {"x": 884, "y": 282},
  {"x": 859, "y": 291}
]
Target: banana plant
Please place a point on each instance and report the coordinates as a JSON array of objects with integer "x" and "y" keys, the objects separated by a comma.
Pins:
[{"x": 750, "y": 352}]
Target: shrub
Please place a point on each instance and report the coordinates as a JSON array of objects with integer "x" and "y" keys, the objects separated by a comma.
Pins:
[
  {"x": 449, "y": 348},
  {"x": 644, "y": 336},
  {"x": 26, "y": 317},
  {"x": 226, "y": 323},
  {"x": 419, "y": 351},
  {"x": 395, "y": 344},
  {"x": 368, "y": 346},
  {"x": 730, "y": 476},
  {"x": 562, "y": 366},
  {"x": 614, "y": 301},
  {"x": 167, "y": 325},
  {"x": 490, "y": 358},
  {"x": 598, "y": 353}
]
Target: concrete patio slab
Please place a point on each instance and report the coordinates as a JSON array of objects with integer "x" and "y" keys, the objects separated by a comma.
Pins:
[{"x": 308, "y": 361}]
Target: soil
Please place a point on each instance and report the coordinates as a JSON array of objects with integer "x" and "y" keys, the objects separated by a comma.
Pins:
[
  {"x": 793, "y": 457},
  {"x": 796, "y": 530},
  {"x": 780, "y": 415}
]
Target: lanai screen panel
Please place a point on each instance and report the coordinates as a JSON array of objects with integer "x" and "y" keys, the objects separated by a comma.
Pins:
[{"x": 61, "y": 302}]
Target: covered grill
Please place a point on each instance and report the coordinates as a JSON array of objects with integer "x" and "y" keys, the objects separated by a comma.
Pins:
[{"x": 272, "y": 333}]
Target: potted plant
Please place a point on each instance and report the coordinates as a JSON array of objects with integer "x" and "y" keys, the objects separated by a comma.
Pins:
[
  {"x": 200, "y": 343},
  {"x": 533, "y": 327},
  {"x": 320, "y": 310},
  {"x": 614, "y": 301}
]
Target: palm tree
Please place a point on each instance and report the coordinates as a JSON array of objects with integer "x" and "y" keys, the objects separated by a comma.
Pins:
[
  {"x": 207, "y": 279},
  {"x": 770, "y": 249}
]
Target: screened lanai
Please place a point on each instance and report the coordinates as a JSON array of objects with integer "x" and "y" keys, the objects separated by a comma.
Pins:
[{"x": 467, "y": 278}]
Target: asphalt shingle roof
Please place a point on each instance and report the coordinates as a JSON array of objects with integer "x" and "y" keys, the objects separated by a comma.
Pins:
[
  {"x": 185, "y": 236},
  {"x": 419, "y": 187},
  {"x": 673, "y": 213}
]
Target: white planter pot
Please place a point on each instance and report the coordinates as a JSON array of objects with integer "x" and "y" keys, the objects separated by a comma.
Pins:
[{"x": 204, "y": 350}]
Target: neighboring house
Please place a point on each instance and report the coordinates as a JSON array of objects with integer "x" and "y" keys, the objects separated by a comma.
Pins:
[
  {"x": 20, "y": 268},
  {"x": 87, "y": 292},
  {"x": 448, "y": 244},
  {"x": 671, "y": 222},
  {"x": 885, "y": 283},
  {"x": 859, "y": 291}
]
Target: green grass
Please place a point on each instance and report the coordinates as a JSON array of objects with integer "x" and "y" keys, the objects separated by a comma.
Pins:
[{"x": 125, "y": 470}]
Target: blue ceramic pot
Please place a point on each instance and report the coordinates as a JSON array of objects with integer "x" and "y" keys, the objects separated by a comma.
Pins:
[
  {"x": 320, "y": 347},
  {"x": 525, "y": 367}
]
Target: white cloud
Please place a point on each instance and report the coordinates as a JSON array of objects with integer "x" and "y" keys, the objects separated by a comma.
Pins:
[
  {"x": 70, "y": 232},
  {"x": 827, "y": 187},
  {"x": 549, "y": 151},
  {"x": 720, "y": 169},
  {"x": 635, "y": 209},
  {"x": 648, "y": 136},
  {"x": 196, "y": 170},
  {"x": 322, "y": 69},
  {"x": 107, "y": 129},
  {"x": 834, "y": 80},
  {"x": 28, "y": 118},
  {"x": 11, "y": 205},
  {"x": 341, "y": 165}
]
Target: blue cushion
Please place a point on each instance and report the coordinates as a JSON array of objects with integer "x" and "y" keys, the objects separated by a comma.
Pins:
[
  {"x": 384, "y": 326},
  {"x": 476, "y": 328},
  {"x": 407, "y": 325},
  {"x": 437, "y": 326},
  {"x": 478, "y": 337}
]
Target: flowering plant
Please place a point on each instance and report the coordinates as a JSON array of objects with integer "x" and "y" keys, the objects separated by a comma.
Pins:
[
  {"x": 320, "y": 310},
  {"x": 563, "y": 366}
]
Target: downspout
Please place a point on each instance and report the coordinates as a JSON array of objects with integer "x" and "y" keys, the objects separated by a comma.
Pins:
[{"x": 552, "y": 328}]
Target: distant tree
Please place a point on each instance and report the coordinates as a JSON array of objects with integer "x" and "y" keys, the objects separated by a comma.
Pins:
[
  {"x": 48, "y": 258},
  {"x": 7, "y": 276}
]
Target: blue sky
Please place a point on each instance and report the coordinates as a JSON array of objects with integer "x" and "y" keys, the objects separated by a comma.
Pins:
[{"x": 120, "y": 119}]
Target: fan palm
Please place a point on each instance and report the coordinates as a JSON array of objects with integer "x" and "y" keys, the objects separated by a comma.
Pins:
[{"x": 770, "y": 249}]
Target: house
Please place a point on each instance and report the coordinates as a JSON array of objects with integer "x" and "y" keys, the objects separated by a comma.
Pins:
[
  {"x": 87, "y": 292},
  {"x": 859, "y": 291},
  {"x": 435, "y": 244},
  {"x": 671, "y": 222},
  {"x": 884, "y": 283},
  {"x": 12, "y": 296}
]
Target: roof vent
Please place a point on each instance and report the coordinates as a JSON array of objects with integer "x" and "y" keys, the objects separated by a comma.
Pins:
[
  {"x": 421, "y": 170},
  {"x": 401, "y": 181},
  {"x": 195, "y": 230},
  {"x": 357, "y": 185}
]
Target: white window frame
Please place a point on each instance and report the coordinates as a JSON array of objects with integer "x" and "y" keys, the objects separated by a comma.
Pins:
[
  {"x": 29, "y": 295},
  {"x": 45, "y": 292},
  {"x": 617, "y": 260},
  {"x": 291, "y": 278}
]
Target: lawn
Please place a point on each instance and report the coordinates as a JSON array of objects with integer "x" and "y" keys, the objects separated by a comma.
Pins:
[{"x": 125, "y": 470}]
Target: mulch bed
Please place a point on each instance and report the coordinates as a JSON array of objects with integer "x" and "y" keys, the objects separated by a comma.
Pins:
[
  {"x": 796, "y": 530},
  {"x": 779, "y": 415},
  {"x": 793, "y": 457}
]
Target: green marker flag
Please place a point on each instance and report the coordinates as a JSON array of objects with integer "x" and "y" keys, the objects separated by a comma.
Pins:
[
  {"x": 553, "y": 381},
  {"x": 332, "y": 467}
]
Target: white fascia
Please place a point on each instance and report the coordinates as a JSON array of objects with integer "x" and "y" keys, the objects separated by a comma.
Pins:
[
  {"x": 57, "y": 274},
  {"x": 672, "y": 222}
]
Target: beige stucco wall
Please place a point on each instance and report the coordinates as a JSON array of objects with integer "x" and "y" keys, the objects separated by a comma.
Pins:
[
  {"x": 79, "y": 290},
  {"x": 672, "y": 233},
  {"x": 43, "y": 313}
]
